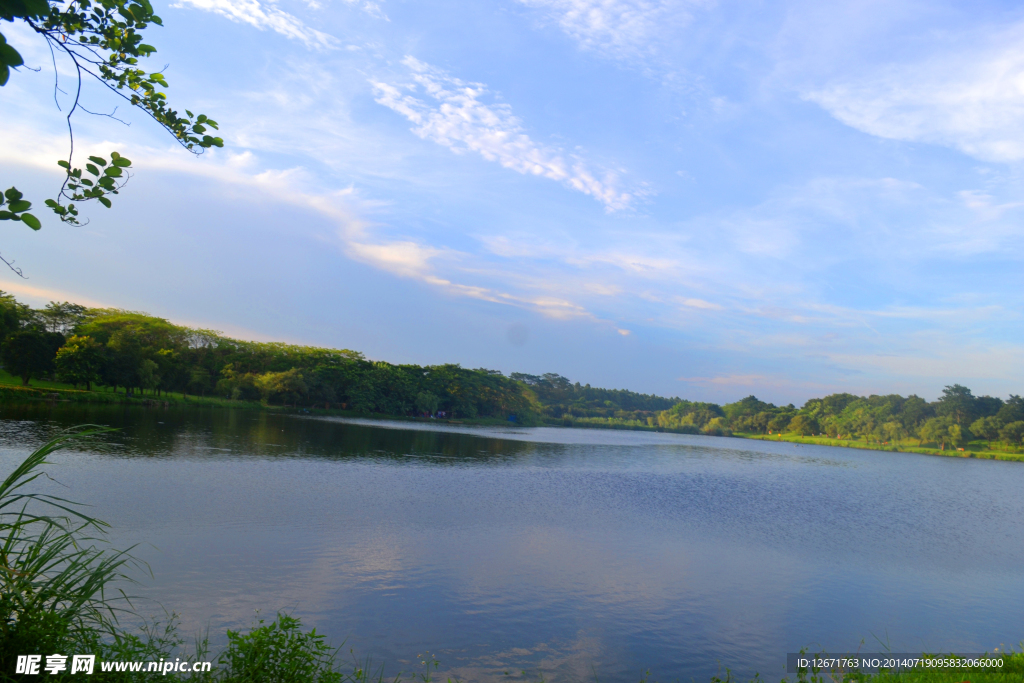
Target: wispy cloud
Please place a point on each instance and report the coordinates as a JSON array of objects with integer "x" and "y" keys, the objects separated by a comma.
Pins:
[
  {"x": 970, "y": 99},
  {"x": 701, "y": 304},
  {"x": 454, "y": 114},
  {"x": 619, "y": 29},
  {"x": 266, "y": 16}
]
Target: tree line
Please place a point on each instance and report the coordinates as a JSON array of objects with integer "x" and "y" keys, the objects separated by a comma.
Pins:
[
  {"x": 143, "y": 354},
  {"x": 146, "y": 355},
  {"x": 956, "y": 418}
]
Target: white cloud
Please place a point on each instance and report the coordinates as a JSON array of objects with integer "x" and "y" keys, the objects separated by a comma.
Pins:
[
  {"x": 404, "y": 258},
  {"x": 701, "y": 304},
  {"x": 621, "y": 29},
  {"x": 266, "y": 16},
  {"x": 970, "y": 99},
  {"x": 457, "y": 118},
  {"x": 371, "y": 8}
]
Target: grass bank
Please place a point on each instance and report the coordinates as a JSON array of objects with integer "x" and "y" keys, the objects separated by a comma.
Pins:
[
  {"x": 12, "y": 391},
  {"x": 974, "y": 449}
]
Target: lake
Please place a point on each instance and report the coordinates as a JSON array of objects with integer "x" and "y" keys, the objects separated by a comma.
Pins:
[{"x": 561, "y": 552}]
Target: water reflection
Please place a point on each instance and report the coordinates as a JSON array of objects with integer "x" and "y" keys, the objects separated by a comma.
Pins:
[{"x": 559, "y": 551}]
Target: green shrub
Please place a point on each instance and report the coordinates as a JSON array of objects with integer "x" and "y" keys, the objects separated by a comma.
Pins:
[{"x": 280, "y": 652}]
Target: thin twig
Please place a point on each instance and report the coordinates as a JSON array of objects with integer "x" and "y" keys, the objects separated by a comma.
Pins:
[{"x": 10, "y": 264}]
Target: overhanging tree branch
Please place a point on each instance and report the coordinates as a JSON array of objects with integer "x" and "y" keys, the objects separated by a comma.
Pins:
[{"x": 102, "y": 40}]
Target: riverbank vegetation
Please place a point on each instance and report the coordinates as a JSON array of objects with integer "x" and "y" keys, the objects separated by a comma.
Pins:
[
  {"x": 65, "y": 351},
  {"x": 62, "y": 593}
]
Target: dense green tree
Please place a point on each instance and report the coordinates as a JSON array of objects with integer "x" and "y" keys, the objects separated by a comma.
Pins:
[
  {"x": 780, "y": 420},
  {"x": 958, "y": 403},
  {"x": 79, "y": 361},
  {"x": 199, "y": 381},
  {"x": 893, "y": 430},
  {"x": 427, "y": 402},
  {"x": 30, "y": 352},
  {"x": 557, "y": 396},
  {"x": 804, "y": 425},
  {"x": 689, "y": 414},
  {"x": 12, "y": 314},
  {"x": 1012, "y": 410},
  {"x": 1013, "y": 433},
  {"x": 987, "y": 406},
  {"x": 286, "y": 387},
  {"x": 238, "y": 386},
  {"x": 61, "y": 317},
  {"x": 123, "y": 354},
  {"x": 943, "y": 431},
  {"x": 149, "y": 375},
  {"x": 829, "y": 406},
  {"x": 916, "y": 411},
  {"x": 746, "y": 407},
  {"x": 987, "y": 428}
]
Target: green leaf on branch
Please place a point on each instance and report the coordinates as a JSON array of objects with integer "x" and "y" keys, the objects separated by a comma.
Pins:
[
  {"x": 16, "y": 208},
  {"x": 98, "y": 160},
  {"x": 104, "y": 201},
  {"x": 121, "y": 162},
  {"x": 31, "y": 221},
  {"x": 92, "y": 169},
  {"x": 8, "y": 55}
]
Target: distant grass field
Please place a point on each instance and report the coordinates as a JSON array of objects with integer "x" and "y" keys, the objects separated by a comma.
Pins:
[
  {"x": 974, "y": 449},
  {"x": 8, "y": 378},
  {"x": 12, "y": 390}
]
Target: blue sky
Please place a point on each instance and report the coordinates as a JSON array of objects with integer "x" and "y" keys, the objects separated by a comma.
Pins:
[{"x": 703, "y": 199}]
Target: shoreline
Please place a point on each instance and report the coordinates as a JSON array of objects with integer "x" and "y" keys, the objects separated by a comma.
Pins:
[{"x": 15, "y": 394}]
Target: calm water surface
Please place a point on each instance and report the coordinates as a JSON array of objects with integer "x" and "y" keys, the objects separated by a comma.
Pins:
[{"x": 558, "y": 551}]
